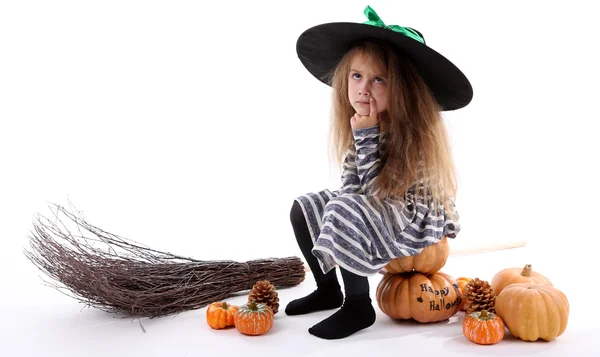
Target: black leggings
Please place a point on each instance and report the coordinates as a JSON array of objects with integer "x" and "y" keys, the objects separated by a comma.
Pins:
[
  {"x": 305, "y": 243},
  {"x": 355, "y": 285}
]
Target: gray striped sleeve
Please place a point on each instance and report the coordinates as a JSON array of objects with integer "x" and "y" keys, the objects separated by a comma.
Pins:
[
  {"x": 350, "y": 179},
  {"x": 367, "y": 155}
]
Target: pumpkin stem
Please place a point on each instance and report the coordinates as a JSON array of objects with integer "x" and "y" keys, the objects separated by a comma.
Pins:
[
  {"x": 483, "y": 315},
  {"x": 225, "y": 306},
  {"x": 526, "y": 270},
  {"x": 252, "y": 305}
]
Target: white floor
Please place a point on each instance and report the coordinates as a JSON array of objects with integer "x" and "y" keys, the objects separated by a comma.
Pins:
[{"x": 62, "y": 328}]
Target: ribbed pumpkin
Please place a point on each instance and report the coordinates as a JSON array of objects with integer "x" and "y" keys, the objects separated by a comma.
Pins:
[
  {"x": 424, "y": 298},
  {"x": 462, "y": 282},
  {"x": 483, "y": 328},
  {"x": 533, "y": 311},
  {"x": 508, "y": 276},
  {"x": 220, "y": 314},
  {"x": 430, "y": 260},
  {"x": 253, "y": 318}
]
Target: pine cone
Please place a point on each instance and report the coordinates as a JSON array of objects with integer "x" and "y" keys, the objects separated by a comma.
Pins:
[
  {"x": 263, "y": 291},
  {"x": 479, "y": 296}
]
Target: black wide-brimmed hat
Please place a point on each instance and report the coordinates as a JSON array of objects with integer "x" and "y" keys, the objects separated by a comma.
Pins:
[{"x": 320, "y": 48}]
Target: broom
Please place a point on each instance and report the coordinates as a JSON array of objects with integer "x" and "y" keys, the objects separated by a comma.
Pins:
[{"x": 129, "y": 278}]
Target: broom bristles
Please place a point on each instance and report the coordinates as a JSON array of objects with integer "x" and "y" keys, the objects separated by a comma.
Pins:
[{"x": 128, "y": 278}]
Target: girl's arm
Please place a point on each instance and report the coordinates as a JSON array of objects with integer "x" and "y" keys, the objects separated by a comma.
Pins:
[
  {"x": 367, "y": 155},
  {"x": 350, "y": 179}
]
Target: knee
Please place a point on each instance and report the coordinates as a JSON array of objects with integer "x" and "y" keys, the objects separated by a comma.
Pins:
[{"x": 296, "y": 215}]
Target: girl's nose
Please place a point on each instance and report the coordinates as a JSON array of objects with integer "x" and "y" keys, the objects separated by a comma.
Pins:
[
  {"x": 364, "y": 88},
  {"x": 364, "y": 91}
]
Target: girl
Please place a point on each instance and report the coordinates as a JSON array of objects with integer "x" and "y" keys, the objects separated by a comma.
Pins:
[{"x": 398, "y": 181}]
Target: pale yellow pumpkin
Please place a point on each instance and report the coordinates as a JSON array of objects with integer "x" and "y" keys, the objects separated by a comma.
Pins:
[
  {"x": 508, "y": 276},
  {"x": 533, "y": 311},
  {"x": 430, "y": 260},
  {"x": 424, "y": 298}
]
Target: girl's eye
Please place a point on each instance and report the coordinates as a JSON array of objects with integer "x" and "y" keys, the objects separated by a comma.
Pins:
[
  {"x": 378, "y": 80},
  {"x": 355, "y": 75}
]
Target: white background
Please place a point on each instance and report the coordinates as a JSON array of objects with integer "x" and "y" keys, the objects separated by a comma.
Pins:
[{"x": 191, "y": 126}]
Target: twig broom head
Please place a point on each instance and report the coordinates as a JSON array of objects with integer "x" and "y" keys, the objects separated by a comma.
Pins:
[{"x": 118, "y": 275}]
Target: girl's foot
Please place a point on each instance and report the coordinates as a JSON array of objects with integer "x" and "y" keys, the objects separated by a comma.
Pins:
[
  {"x": 324, "y": 298},
  {"x": 356, "y": 314}
]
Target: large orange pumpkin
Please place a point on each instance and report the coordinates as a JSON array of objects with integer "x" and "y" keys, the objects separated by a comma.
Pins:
[
  {"x": 253, "y": 318},
  {"x": 430, "y": 260},
  {"x": 220, "y": 314},
  {"x": 508, "y": 276},
  {"x": 424, "y": 298},
  {"x": 483, "y": 328},
  {"x": 533, "y": 311}
]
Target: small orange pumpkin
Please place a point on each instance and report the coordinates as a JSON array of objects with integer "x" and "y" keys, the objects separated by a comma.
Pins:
[
  {"x": 431, "y": 259},
  {"x": 462, "y": 282},
  {"x": 253, "y": 318},
  {"x": 220, "y": 314},
  {"x": 508, "y": 276},
  {"x": 483, "y": 328},
  {"x": 424, "y": 298}
]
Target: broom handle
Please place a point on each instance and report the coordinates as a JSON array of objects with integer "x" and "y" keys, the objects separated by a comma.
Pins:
[{"x": 477, "y": 249}]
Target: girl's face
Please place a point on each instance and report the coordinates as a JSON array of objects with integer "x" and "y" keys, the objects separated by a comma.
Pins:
[{"x": 367, "y": 79}]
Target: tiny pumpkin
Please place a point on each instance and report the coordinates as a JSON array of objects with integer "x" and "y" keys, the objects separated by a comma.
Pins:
[
  {"x": 253, "y": 318},
  {"x": 462, "y": 283},
  {"x": 220, "y": 314},
  {"x": 483, "y": 328},
  {"x": 431, "y": 259},
  {"x": 533, "y": 311},
  {"x": 424, "y": 298},
  {"x": 508, "y": 276}
]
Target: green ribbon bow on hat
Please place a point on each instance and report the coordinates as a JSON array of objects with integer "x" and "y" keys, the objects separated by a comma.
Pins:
[{"x": 375, "y": 20}]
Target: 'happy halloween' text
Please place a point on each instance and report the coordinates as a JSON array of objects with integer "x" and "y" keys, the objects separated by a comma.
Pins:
[{"x": 438, "y": 305}]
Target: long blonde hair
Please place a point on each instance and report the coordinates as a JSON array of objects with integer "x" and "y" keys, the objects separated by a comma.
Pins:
[{"x": 417, "y": 149}]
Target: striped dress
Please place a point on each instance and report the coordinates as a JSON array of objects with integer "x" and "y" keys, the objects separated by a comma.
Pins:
[{"x": 361, "y": 233}]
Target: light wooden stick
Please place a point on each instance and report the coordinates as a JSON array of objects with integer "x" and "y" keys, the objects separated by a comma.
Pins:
[{"x": 472, "y": 249}]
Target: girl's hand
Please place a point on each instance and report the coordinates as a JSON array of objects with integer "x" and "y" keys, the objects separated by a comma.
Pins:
[{"x": 365, "y": 121}]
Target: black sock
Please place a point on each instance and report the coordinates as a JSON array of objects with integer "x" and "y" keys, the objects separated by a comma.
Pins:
[
  {"x": 324, "y": 298},
  {"x": 328, "y": 294},
  {"x": 356, "y": 314}
]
